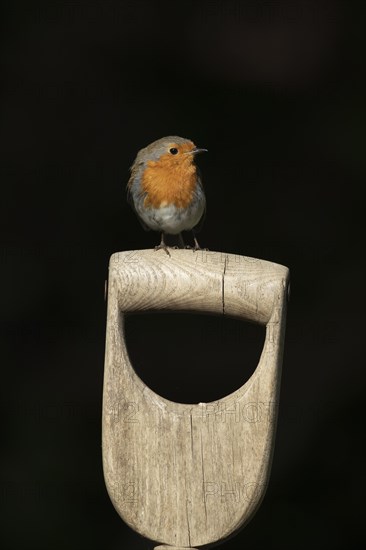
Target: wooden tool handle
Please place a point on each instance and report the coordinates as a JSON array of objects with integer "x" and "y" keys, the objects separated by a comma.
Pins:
[{"x": 187, "y": 475}]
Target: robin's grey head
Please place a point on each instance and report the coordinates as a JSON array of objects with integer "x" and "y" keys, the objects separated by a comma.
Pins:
[{"x": 173, "y": 146}]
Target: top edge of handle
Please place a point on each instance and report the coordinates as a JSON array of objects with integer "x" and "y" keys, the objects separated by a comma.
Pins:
[{"x": 200, "y": 257}]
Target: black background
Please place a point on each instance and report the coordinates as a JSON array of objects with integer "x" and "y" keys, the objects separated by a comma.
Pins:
[{"x": 275, "y": 92}]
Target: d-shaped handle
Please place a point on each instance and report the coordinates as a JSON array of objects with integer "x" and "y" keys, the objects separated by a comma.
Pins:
[
  {"x": 190, "y": 475},
  {"x": 211, "y": 282}
]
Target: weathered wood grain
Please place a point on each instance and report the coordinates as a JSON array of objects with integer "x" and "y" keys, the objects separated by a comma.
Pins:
[{"x": 189, "y": 475}]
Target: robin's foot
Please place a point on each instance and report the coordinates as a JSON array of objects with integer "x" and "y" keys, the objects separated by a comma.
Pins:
[
  {"x": 162, "y": 245},
  {"x": 197, "y": 246}
]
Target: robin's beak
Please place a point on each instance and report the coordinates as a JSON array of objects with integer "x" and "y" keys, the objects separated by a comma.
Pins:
[{"x": 197, "y": 150}]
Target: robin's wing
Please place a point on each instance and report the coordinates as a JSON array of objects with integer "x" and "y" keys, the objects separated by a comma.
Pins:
[
  {"x": 130, "y": 197},
  {"x": 197, "y": 228}
]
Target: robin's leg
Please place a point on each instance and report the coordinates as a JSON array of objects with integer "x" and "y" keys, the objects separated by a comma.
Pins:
[
  {"x": 196, "y": 244},
  {"x": 162, "y": 245}
]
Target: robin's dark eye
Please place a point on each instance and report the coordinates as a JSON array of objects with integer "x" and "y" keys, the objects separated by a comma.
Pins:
[{"x": 173, "y": 150}]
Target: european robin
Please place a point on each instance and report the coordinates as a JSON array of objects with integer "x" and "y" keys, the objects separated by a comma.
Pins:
[{"x": 165, "y": 188}]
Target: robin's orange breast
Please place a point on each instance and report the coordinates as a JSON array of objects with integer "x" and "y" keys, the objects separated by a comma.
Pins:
[{"x": 169, "y": 181}]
